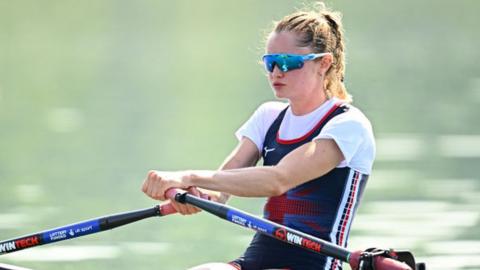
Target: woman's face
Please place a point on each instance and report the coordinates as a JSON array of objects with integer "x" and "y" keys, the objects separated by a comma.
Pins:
[{"x": 298, "y": 84}]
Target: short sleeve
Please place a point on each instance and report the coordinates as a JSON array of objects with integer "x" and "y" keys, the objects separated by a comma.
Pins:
[
  {"x": 353, "y": 134},
  {"x": 256, "y": 127}
]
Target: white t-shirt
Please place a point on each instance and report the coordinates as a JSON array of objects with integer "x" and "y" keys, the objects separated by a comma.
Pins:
[{"x": 351, "y": 130}]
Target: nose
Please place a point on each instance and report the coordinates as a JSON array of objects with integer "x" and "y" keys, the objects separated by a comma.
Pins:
[{"x": 277, "y": 72}]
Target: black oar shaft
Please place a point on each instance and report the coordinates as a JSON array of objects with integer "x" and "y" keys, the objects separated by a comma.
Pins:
[
  {"x": 77, "y": 229},
  {"x": 117, "y": 220},
  {"x": 267, "y": 227}
]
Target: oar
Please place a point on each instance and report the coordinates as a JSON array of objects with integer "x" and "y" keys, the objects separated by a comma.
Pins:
[
  {"x": 283, "y": 233},
  {"x": 82, "y": 228},
  {"x": 229, "y": 213}
]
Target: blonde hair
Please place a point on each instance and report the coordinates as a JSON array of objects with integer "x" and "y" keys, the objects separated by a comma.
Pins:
[{"x": 321, "y": 30}]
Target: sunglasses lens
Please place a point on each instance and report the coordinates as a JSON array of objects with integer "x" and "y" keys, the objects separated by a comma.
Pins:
[
  {"x": 292, "y": 62},
  {"x": 269, "y": 61},
  {"x": 284, "y": 62}
]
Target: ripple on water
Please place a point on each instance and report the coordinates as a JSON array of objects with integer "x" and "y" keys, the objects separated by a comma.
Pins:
[
  {"x": 451, "y": 262},
  {"x": 12, "y": 267},
  {"x": 29, "y": 193},
  {"x": 405, "y": 147},
  {"x": 12, "y": 220},
  {"x": 395, "y": 242},
  {"x": 415, "y": 219},
  {"x": 392, "y": 147},
  {"x": 460, "y": 146},
  {"x": 454, "y": 247},
  {"x": 65, "y": 253},
  {"x": 146, "y": 248},
  {"x": 87, "y": 252}
]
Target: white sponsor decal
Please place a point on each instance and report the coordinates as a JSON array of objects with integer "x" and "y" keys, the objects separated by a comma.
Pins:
[
  {"x": 7, "y": 247},
  {"x": 58, "y": 235},
  {"x": 294, "y": 239},
  {"x": 239, "y": 220}
]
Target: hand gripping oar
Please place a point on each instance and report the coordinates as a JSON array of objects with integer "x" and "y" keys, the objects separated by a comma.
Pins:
[
  {"x": 83, "y": 228},
  {"x": 285, "y": 234}
]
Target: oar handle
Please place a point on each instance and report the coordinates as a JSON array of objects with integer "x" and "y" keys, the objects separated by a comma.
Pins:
[
  {"x": 171, "y": 193},
  {"x": 167, "y": 208}
]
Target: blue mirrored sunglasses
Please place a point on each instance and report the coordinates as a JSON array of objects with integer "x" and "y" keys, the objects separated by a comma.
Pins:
[{"x": 287, "y": 62}]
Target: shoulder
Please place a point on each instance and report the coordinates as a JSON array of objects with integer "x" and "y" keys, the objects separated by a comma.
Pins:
[
  {"x": 353, "y": 117},
  {"x": 351, "y": 126}
]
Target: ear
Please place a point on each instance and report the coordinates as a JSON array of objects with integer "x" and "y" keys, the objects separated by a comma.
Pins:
[{"x": 325, "y": 63}]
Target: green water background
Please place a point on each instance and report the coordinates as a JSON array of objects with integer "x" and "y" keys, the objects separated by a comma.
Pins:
[{"x": 93, "y": 94}]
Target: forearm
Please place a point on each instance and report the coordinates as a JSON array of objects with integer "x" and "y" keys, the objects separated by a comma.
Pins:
[
  {"x": 262, "y": 181},
  {"x": 307, "y": 162},
  {"x": 303, "y": 164}
]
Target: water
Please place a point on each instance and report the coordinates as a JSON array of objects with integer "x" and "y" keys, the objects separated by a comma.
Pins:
[{"x": 94, "y": 94}]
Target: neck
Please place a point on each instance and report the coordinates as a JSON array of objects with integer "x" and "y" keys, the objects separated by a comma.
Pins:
[{"x": 302, "y": 107}]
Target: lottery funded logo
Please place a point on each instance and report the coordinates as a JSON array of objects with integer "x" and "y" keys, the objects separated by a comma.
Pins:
[
  {"x": 71, "y": 231},
  {"x": 239, "y": 220}
]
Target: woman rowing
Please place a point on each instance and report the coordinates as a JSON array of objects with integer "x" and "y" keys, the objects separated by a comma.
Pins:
[{"x": 317, "y": 148}]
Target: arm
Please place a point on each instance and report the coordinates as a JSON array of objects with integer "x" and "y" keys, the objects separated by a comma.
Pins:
[
  {"x": 244, "y": 155},
  {"x": 307, "y": 162}
]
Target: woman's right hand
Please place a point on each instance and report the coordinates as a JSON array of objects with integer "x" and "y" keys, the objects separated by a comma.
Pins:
[
  {"x": 187, "y": 209},
  {"x": 158, "y": 182}
]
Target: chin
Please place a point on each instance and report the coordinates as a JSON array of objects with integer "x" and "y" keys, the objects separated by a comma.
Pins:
[{"x": 279, "y": 94}]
